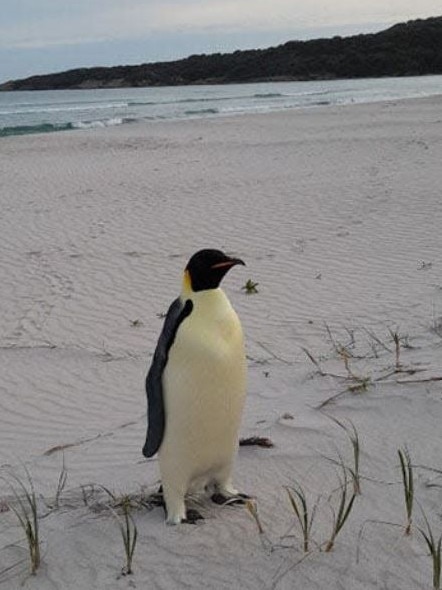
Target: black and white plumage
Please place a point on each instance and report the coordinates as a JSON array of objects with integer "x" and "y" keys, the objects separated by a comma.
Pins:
[
  {"x": 154, "y": 384},
  {"x": 196, "y": 386}
]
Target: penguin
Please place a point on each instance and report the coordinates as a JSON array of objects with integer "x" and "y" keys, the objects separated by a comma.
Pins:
[{"x": 196, "y": 387}]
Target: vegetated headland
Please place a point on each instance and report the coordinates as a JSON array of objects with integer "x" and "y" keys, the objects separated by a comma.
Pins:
[{"x": 407, "y": 49}]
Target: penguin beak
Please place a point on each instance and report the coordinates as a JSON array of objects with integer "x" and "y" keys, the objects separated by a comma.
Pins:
[{"x": 228, "y": 263}]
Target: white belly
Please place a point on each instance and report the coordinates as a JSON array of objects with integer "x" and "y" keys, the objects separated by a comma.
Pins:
[{"x": 204, "y": 388}]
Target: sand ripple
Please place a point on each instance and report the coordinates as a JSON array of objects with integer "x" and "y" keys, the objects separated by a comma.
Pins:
[{"x": 337, "y": 213}]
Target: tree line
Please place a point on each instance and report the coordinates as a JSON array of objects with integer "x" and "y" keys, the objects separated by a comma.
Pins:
[{"x": 406, "y": 49}]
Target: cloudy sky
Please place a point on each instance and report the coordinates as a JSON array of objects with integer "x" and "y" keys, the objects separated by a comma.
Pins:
[{"x": 42, "y": 36}]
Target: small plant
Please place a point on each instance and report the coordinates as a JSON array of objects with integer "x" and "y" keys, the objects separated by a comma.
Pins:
[
  {"x": 397, "y": 350},
  {"x": 353, "y": 437},
  {"x": 354, "y": 472},
  {"x": 435, "y": 548},
  {"x": 362, "y": 384},
  {"x": 408, "y": 482},
  {"x": 305, "y": 518},
  {"x": 136, "y": 323},
  {"x": 62, "y": 479},
  {"x": 250, "y": 287},
  {"x": 344, "y": 508},
  {"x": 129, "y": 532},
  {"x": 25, "y": 509}
]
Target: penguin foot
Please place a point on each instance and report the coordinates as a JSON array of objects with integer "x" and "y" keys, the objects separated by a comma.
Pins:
[
  {"x": 222, "y": 500},
  {"x": 157, "y": 499},
  {"x": 193, "y": 516}
]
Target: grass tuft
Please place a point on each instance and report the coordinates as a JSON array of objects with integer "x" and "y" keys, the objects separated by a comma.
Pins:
[
  {"x": 127, "y": 526},
  {"x": 129, "y": 533},
  {"x": 408, "y": 483},
  {"x": 353, "y": 437},
  {"x": 397, "y": 350},
  {"x": 305, "y": 518},
  {"x": 435, "y": 549},
  {"x": 345, "y": 506},
  {"x": 62, "y": 480},
  {"x": 25, "y": 509}
]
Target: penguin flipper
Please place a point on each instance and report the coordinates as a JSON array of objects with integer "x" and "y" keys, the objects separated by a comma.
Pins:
[{"x": 177, "y": 312}]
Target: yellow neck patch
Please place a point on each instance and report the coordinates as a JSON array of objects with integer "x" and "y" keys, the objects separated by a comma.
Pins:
[{"x": 187, "y": 283}]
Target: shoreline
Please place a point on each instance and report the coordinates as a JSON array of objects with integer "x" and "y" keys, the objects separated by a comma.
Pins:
[
  {"x": 137, "y": 127},
  {"x": 120, "y": 109}
]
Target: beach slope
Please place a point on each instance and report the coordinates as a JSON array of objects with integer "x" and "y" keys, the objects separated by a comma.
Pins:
[{"x": 337, "y": 212}]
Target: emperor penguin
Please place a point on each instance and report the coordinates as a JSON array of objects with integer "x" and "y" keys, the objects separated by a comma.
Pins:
[{"x": 196, "y": 388}]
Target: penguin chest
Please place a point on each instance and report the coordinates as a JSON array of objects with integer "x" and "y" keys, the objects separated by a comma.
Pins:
[{"x": 204, "y": 385}]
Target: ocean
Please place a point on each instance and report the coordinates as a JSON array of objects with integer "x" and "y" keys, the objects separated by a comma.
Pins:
[{"x": 22, "y": 113}]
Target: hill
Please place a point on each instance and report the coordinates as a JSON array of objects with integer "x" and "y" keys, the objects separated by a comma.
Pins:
[{"x": 407, "y": 49}]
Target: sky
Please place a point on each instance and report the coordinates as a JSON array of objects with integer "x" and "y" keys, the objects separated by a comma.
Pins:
[{"x": 44, "y": 36}]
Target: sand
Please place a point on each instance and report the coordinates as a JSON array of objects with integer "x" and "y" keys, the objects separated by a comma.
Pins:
[{"x": 337, "y": 212}]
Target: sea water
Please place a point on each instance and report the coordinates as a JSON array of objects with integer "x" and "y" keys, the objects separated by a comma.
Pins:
[{"x": 48, "y": 111}]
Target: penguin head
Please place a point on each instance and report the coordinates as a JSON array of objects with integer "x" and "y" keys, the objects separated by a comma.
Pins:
[{"x": 206, "y": 268}]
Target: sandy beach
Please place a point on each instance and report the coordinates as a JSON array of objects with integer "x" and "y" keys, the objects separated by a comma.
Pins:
[{"x": 337, "y": 212}]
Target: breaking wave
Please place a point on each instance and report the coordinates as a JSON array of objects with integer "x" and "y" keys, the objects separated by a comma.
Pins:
[{"x": 54, "y": 127}]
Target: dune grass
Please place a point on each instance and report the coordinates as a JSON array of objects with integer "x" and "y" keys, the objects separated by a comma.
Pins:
[
  {"x": 353, "y": 437},
  {"x": 345, "y": 505},
  {"x": 24, "y": 507},
  {"x": 127, "y": 526},
  {"x": 61, "y": 484},
  {"x": 304, "y": 515},
  {"x": 129, "y": 533},
  {"x": 408, "y": 484},
  {"x": 435, "y": 548}
]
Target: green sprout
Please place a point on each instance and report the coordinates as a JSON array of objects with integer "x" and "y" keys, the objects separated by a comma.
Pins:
[{"x": 250, "y": 287}]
